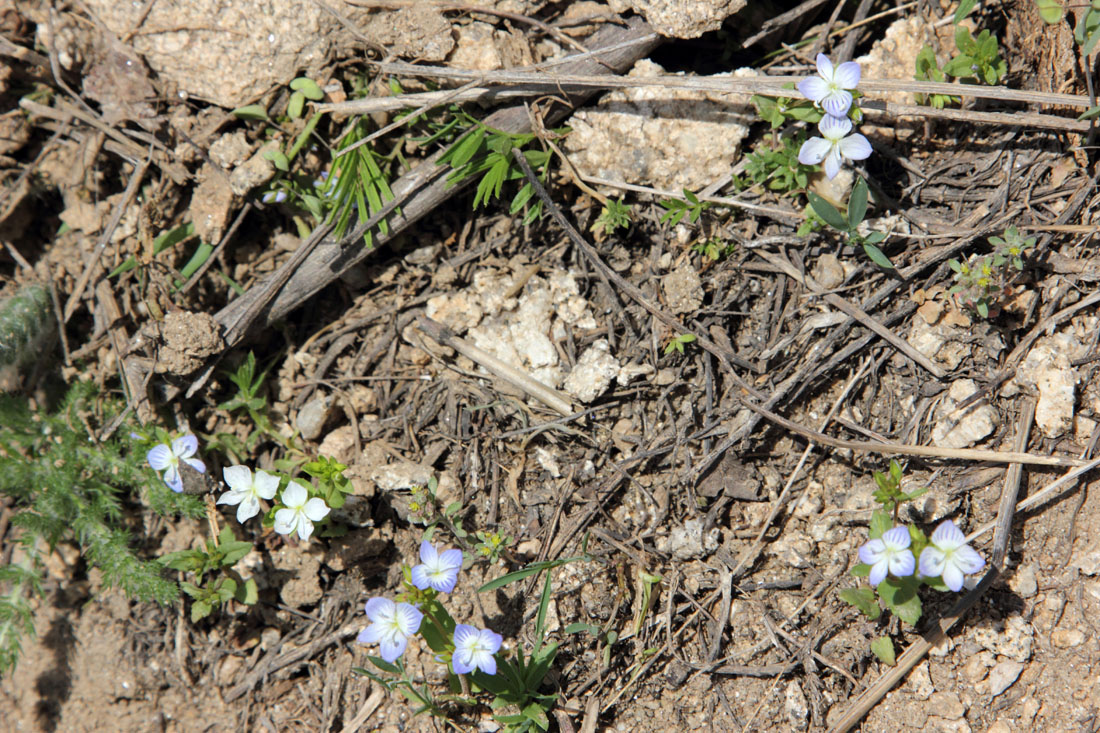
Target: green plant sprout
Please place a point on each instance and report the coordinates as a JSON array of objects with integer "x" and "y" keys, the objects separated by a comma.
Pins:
[
  {"x": 614, "y": 215},
  {"x": 689, "y": 206},
  {"x": 929, "y": 70},
  {"x": 355, "y": 183},
  {"x": 777, "y": 168},
  {"x": 486, "y": 152},
  {"x": 218, "y": 557},
  {"x": 849, "y": 225},
  {"x": 982, "y": 281},
  {"x": 491, "y": 545},
  {"x": 978, "y": 58},
  {"x": 65, "y": 484},
  {"x": 677, "y": 343},
  {"x": 889, "y": 560},
  {"x": 780, "y": 110},
  {"x": 715, "y": 248}
]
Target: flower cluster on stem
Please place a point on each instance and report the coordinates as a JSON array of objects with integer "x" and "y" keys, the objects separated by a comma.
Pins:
[
  {"x": 831, "y": 90},
  {"x": 947, "y": 556}
]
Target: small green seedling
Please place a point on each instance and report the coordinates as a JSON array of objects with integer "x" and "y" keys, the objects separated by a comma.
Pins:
[
  {"x": 614, "y": 215},
  {"x": 777, "y": 168},
  {"x": 219, "y": 556},
  {"x": 929, "y": 70},
  {"x": 982, "y": 281},
  {"x": 689, "y": 206},
  {"x": 715, "y": 248},
  {"x": 849, "y": 225},
  {"x": 978, "y": 58},
  {"x": 678, "y": 342}
]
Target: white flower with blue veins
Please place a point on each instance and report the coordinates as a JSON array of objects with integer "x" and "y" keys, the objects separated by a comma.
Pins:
[
  {"x": 474, "y": 649},
  {"x": 391, "y": 626},
  {"x": 949, "y": 556},
  {"x": 888, "y": 555},
  {"x": 438, "y": 570},
  {"x": 299, "y": 512},
  {"x": 167, "y": 458},
  {"x": 834, "y": 146},
  {"x": 830, "y": 88},
  {"x": 246, "y": 489}
]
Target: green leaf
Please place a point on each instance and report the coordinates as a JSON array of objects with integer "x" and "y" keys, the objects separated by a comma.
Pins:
[
  {"x": 383, "y": 665},
  {"x": 900, "y": 596},
  {"x": 279, "y": 159},
  {"x": 875, "y": 254},
  {"x": 883, "y": 648},
  {"x": 827, "y": 212},
  {"x": 528, "y": 571},
  {"x": 864, "y": 599},
  {"x": 1051, "y": 11},
  {"x": 963, "y": 10},
  {"x": 961, "y": 66},
  {"x": 296, "y": 105},
  {"x": 860, "y": 570},
  {"x": 308, "y": 88},
  {"x": 250, "y": 112},
  {"x": 857, "y": 203},
  {"x": 248, "y": 593},
  {"x": 880, "y": 522}
]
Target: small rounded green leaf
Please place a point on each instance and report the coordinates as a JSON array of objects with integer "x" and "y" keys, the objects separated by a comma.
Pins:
[
  {"x": 279, "y": 159},
  {"x": 250, "y": 112},
  {"x": 296, "y": 105},
  {"x": 883, "y": 648},
  {"x": 308, "y": 87}
]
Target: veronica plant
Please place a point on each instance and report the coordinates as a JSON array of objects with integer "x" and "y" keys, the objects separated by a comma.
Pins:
[
  {"x": 832, "y": 90},
  {"x": 848, "y": 224},
  {"x": 898, "y": 559}
]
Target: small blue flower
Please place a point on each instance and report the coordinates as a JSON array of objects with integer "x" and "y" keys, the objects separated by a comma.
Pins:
[
  {"x": 949, "y": 556},
  {"x": 830, "y": 87},
  {"x": 167, "y": 458},
  {"x": 474, "y": 649},
  {"x": 890, "y": 554},
  {"x": 438, "y": 570},
  {"x": 834, "y": 146},
  {"x": 391, "y": 626}
]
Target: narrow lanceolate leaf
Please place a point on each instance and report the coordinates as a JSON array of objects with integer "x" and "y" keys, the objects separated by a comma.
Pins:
[
  {"x": 827, "y": 212},
  {"x": 857, "y": 203},
  {"x": 883, "y": 648}
]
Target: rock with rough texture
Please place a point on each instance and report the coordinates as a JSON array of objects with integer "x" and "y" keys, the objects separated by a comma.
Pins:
[
  {"x": 668, "y": 138},
  {"x": 1003, "y": 676},
  {"x": 417, "y": 32},
  {"x": 689, "y": 541},
  {"x": 943, "y": 343},
  {"x": 188, "y": 340},
  {"x": 301, "y": 586},
  {"x": 1048, "y": 369},
  {"x": 1011, "y": 638},
  {"x": 188, "y": 43},
  {"x": 796, "y": 707},
  {"x": 681, "y": 18},
  {"x": 593, "y": 372},
  {"x": 961, "y": 428},
  {"x": 311, "y": 418},
  {"x": 683, "y": 289}
]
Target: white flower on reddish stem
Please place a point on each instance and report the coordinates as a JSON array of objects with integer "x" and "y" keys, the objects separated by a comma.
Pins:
[
  {"x": 890, "y": 554},
  {"x": 167, "y": 458},
  {"x": 246, "y": 490},
  {"x": 438, "y": 570},
  {"x": 830, "y": 87},
  {"x": 949, "y": 556},
  {"x": 834, "y": 146},
  {"x": 391, "y": 626},
  {"x": 300, "y": 511},
  {"x": 474, "y": 649}
]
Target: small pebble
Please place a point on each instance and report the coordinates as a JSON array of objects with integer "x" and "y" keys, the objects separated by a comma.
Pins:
[{"x": 1002, "y": 676}]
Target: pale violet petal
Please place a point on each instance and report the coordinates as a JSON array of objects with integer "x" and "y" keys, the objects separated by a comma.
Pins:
[
  {"x": 370, "y": 635},
  {"x": 947, "y": 536},
  {"x": 878, "y": 572},
  {"x": 855, "y": 147},
  {"x": 305, "y": 527},
  {"x": 408, "y": 618},
  {"x": 846, "y": 75},
  {"x": 185, "y": 446},
  {"x": 427, "y": 552},
  {"x": 266, "y": 485},
  {"x": 968, "y": 560},
  {"x": 814, "y": 88},
  {"x": 834, "y": 128},
  {"x": 420, "y": 577},
  {"x": 239, "y": 478},
  {"x": 160, "y": 457},
  {"x": 231, "y": 498},
  {"x": 837, "y": 103},
  {"x": 451, "y": 559},
  {"x": 464, "y": 635},
  {"x": 832, "y": 163},
  {"x": 824, "y": 67},
  {"x": 462, "y": 661},
  {"x": 871, "y": 551},
  {"x": 931, "y": 562},
  {"x": 378, "y": 608},
  {"x": 902, "y": 564},
  {"x": 896, "y": 538},
  {"x": 488, "y": 664},
  {"x": 173, "y": 479},
  {"x": 248, "y": 508},
  {"x": 391, "y": 649},
  {"x": 294, "y": 495},
  {"x": 196, "y": 464},
  {"x": 316, "y": 509},
  {"x": 814, "y": 151},
  {"x": 285, "y": 520},
  {"x": 492, "y": 639},
  {"x": 952, "y": 577}
]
